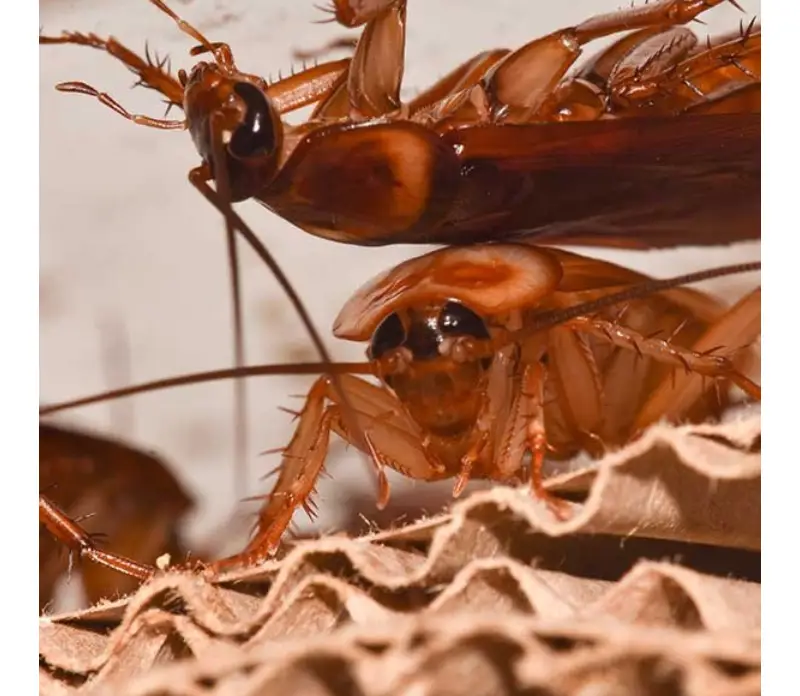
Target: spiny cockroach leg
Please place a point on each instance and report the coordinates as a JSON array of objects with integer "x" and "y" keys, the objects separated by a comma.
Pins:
[
  {"x": 304, "y": 458},
  {"x": 291, "y": 93},
  {"x": 516, "y": 95},
  {"x": 300, "y": 468},
  {"x": 81, "y": 543},
  {"x": 150, "y": 75},
  {"x": 666, "y": 12},
  {"x": 701, "y": 363}
]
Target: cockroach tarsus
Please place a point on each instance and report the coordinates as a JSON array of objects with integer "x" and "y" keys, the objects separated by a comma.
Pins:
[
  {"x": 489, "y": 353},
  {"x": 654, "y": 142}
]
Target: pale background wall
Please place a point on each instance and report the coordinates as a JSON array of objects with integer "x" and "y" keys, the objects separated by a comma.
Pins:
[{"x": 128, "y": 248}]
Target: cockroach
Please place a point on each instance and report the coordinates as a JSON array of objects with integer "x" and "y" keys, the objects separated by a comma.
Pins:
[
  {"x": 131, "y": 496},
  {"x": 487, "y": 353},
  {"x": 506, "y": 145}
]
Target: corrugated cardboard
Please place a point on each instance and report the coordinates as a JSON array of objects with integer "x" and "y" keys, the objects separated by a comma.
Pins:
[{"x": 653, "y": 586}]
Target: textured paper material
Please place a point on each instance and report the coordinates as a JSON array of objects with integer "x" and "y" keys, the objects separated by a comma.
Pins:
[{"x": 651, "y": 587}]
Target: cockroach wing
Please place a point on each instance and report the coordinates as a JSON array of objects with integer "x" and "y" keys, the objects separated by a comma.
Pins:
[
  {"x": 632, "y": 182},
  {"x": 628, "y": 182}
]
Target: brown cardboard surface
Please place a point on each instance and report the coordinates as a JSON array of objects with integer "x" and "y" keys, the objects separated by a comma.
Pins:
[{"x": 651, "y": 587}]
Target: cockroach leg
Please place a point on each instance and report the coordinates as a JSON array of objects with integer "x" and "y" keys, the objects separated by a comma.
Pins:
[
  {"x": 469, "y": 460},
  {"x": 376, "y": 71},
  {"x": 665, "y": 12},
  {"x": 391, "y": 440},
  {"x": 111, "y": 103},
  {"x": 80, "y": 542},
  {"x": 221, "y": 51},
  {"x": 532, "y": 398},
  {"x": 650, "y": 56},
  {"x": 738, "y": 327},
  {"x": 662, "y": 79},
  {"x": 716, "y": 366},
  {"x": 307, "y": 86},
  {"x": 371, "y": 86},
  {"x": 302, "y": 463},
  {"x": 150, "y": 74}
]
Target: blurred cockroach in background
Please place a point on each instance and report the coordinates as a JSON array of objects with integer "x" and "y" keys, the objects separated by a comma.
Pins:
[
  {"x": 653, "y": 142},
  {"x": 113, "y": 489},
  {"x": 126, "y": 500},
  {"x": 486, "y": 354}
]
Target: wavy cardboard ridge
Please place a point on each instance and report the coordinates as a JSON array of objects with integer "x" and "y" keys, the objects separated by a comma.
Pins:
[{"x": 496, "y": 553}]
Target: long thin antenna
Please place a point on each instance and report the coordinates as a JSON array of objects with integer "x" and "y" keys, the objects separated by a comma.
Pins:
[
  {"x": 650, "y": 287},
  {"x": 240, "y": 411},
  {"x": 303, "y": 368}
]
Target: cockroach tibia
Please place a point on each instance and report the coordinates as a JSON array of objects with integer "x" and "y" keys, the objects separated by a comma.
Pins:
[{"x": 490, "y": 353}]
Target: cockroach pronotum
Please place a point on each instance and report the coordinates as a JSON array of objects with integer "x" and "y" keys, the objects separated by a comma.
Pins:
[
  {"x": 653, "y": 142},
  {"x": 487, "y": 353}
]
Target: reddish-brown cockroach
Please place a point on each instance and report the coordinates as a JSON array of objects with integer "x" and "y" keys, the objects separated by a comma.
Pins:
[
  {"x": 505, "y": 146},
  {"x": 131, "y": 496},
  {"x": 487, "y": 353},
  {"x": 653, "y": 142}
]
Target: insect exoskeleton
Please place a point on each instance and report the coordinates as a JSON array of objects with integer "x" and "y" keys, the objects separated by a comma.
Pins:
[{"x": 480, "y": 362}]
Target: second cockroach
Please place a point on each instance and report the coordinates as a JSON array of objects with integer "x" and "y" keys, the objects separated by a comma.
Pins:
[
  {"x": 490, "y": 358},
  {"x": 131, "y": 496}
]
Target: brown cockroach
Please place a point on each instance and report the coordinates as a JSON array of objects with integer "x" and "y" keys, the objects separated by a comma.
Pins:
[
  {"x": 487, "y": 353},
  {"x": 132, "y": 496},
  {"x": 506, "y": 145}
]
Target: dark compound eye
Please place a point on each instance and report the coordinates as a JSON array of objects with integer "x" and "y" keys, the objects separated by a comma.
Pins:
[
  {"x": 458, "y": 320},
  {"x": 390, "y": 334},
  {"x": 256, "y": 136}
]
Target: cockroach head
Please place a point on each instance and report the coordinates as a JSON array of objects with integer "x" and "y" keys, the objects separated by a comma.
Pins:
[{"x": 230, "y": 112}]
